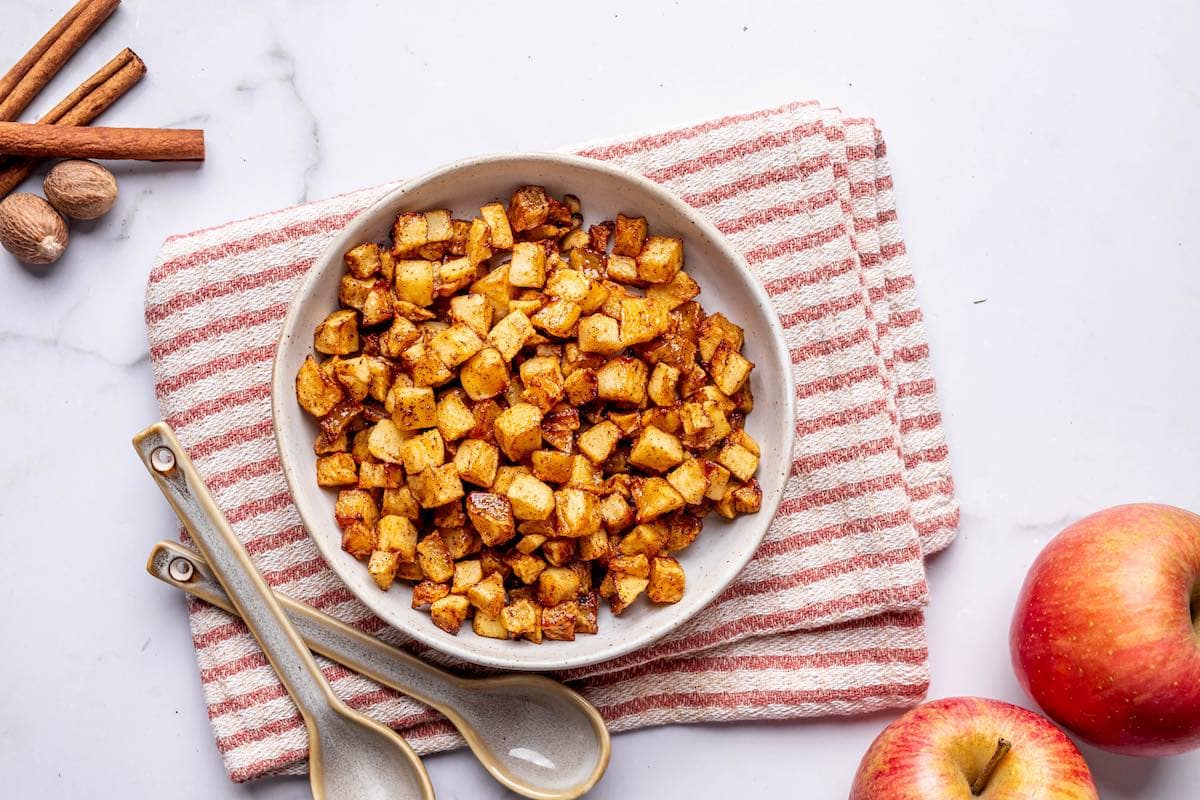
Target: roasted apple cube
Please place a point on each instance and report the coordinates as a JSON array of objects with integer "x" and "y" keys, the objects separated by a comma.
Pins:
[
  {"x": 559, "y": 551},
  {"x": 398, "y": 535},
  {"x": 454, "y": 417},
  {"x": 528, "y": 266},
  {"x": 626, "y": 589},
  {"x": 660, "y": 259},
  {"x": 496, "y": 288},
  {"x": 436, "y": 486},
  {"x": 413, "y": 280},
  {"x": 410, "y": 231},
  {"x": 428, "y": 592},
  {"x": 356, "y": 505},
  {"x": 528, "y": 208},
  {"x": 505, "y": 476},
  {"x": 675, "y": 292},
  {"x": 455, "y": 344},
  {"x": 510, "y": 334},
  {"x": 530, "y": 542},
  {"x": 382, "y": 567},
  {"x": 399, "y": 337},
  {"x": 716, "y": 329},
  {"x": 476, "y": 461},
  {"x": 354, "y": 374},
  {"x": 439, "y": 227},
  {"x": 747, "y": 499},
  {"x": 654, "y": 497},
  {"x": 358, "y": 539},
  {"x": 466, "y": 575},
  {"x": 338, "y": 469},
  {"x": 472, "y": 310},
  {"x": 551, "y": 466},
  {"x": 557, "y": 318},
  {"x": 690, "y": 480},
  {"x": 729, "y": 369},
  {"x": 569, "y": 284},
  {"x": 337, "y": 334},
  {"x": 623, "y": 380},
  {"x": 647, "y": 539},
  {"x": 423, "y": 451},
  {"x": 667, "y": 580},
  {"x": 497, "y": 222},
  {"x": 362, "y": 261},
  {"x": 642, "y": 319},
  {"x": 492, "y": 516},
  {"x": 616, "y": 513},
  {"x": 599, "y": 333},
  {"x": 530, "y": 498},
  {"x": 353, "y": 292},
  {"x": 599, "y": 441},
  {"x": 623, "y": 270},
  {"x": 375, "y": 475},
  {"x": 523, "y": 618},
  {"x": 582, "y": 386},
  {"x": 488, "y": 626},
  {"x": 413, "y": 407},
  {"x": 738, "y": 460},
  {"x": 485, "y": 375},
  {"x": 401, "y": 502},
  {"x": 656, "y": 450},
  {"x": 527, "y": 568},
  {"x": 519, "y": 431},
  {"x": 577, "y": 512},
  {"x": 450, "y": 612},
  {"x": 629, "y": 235},
  {"x": 487, "y": 594},
  {"x": 586, "y": 620},
  {"x": 594, "y": 547},
  {"x": 453, "y": 275},
  {"x": 385, "y": 441},
  {"x": 558, "y": 622},
  {"x": 479, "y": 242},
  {"x": 434, "y": 558},
  {"x": 586, "y": 475},
  {"x": 557, "y": 585},
  {"x": 315, "y": 393},
  {"x": 664, "y": 385}
]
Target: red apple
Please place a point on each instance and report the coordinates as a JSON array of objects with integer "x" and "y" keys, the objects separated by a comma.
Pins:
[
  {"x": 1104, "y": 637},
  {"x": 955, "y": 749}
]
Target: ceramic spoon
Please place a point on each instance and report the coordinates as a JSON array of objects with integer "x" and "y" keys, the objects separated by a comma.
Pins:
[
  {"x": 534, "y": 735},
  {"x": 350, "y": 754}
]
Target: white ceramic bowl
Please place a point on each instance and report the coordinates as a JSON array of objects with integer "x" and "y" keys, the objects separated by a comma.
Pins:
[{"x": 722, "y": 549}]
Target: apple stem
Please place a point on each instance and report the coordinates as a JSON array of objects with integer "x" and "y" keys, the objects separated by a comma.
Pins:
[{"x": 1002, "y": 748}]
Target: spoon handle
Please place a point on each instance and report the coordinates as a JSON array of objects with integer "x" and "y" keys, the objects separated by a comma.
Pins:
[
  {"x": 254, "y": 601},
  {"x": 184, "y": 569}
]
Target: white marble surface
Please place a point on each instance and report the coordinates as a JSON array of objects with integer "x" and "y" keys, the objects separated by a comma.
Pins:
[{"x": 1046, "y": 164}]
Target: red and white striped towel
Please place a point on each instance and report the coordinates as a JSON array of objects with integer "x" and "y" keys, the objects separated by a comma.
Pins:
[{"x": 827, "y": 617}]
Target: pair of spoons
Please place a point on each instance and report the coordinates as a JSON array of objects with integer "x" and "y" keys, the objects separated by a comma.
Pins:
[{"x": 534, "y": 735}]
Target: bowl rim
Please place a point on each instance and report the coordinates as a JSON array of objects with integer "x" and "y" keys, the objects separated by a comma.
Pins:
[{"x": 282, "y": 391}]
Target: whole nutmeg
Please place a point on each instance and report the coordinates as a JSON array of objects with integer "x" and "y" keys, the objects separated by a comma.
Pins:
[
  {"x": 31, "y": 229},
  {"x": 80, "y": 189}
]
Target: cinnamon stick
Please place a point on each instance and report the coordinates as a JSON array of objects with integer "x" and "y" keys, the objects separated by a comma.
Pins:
[
  {"x": 80, "y": 107},
  {"x": 30, "y": 75},
  {"x": 139, "y": 144}
]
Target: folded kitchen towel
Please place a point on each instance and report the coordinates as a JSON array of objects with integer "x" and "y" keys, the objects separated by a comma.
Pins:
[{"x": 826, "y": 619}]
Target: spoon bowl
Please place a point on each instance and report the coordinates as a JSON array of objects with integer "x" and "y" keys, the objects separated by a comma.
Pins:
[
  {"x": 529, "y": 733},
  {"x": 352, "y": 755}
]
